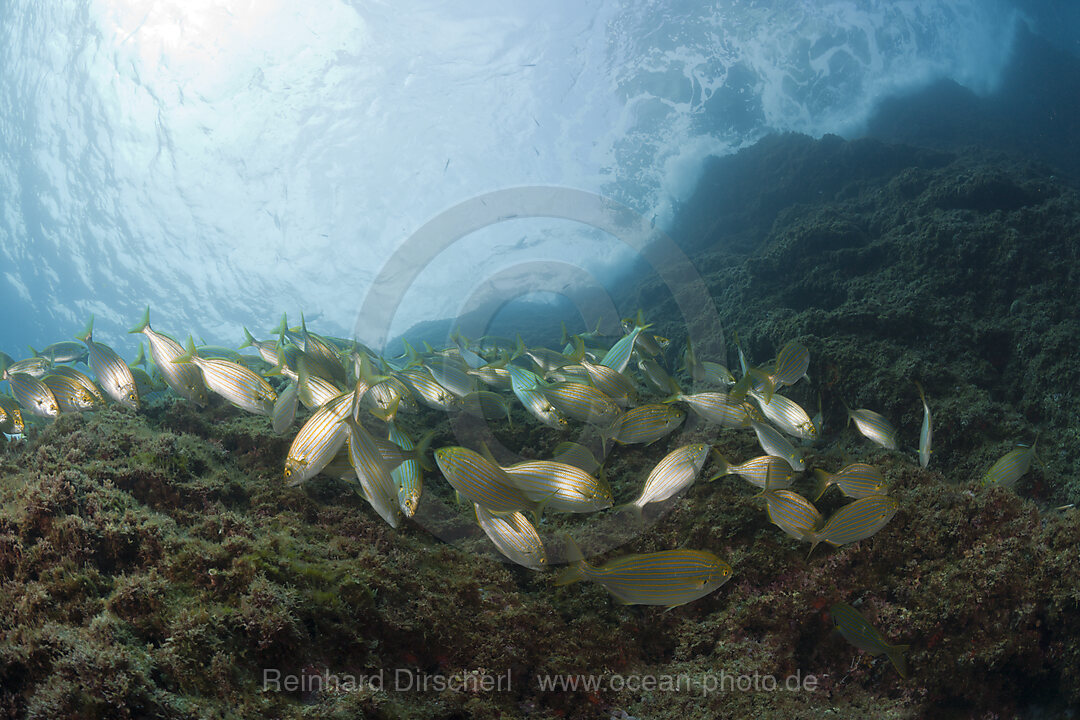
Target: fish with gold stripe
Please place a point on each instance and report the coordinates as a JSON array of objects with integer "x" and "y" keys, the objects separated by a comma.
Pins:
[
  {"x": 873, "y": 427},
  {"x": 537, "y": 404},
  {"x": 408, "y": 476},
  {"x": 856, "y": 480},
  {"x": 1010, "y": 467},
  {"x": 373, "y": 472},
  {"x": 427, "y": 389},
  {"x": 787, "y": 415},
  {"x": 612, "y": 383},
  {"x": 81, "y": 378},
  {"x": 319, "y": 439},
  {"x": 185, "y": 379},
  {"x": 673, "y": 474},
  {"x": 792, "y": 513},
  {"x": 514, "y": 536},
  {"x": 791, "y": 364},
  {"x": 560, "y": 487},
  {"x": 112, "y": 373},
  {"x": 482, "y": 481},
  {"x": 11, "y": 421},
  {"x": 268, "y": 349},
  {"x": 232, "y": 381},
  {"x": 692, "y": 366},
  {"x": 33, "y": 395},
  {"x": 856, "y": 521},
  {"x": 765, "y": 469},
  {"x": 668, "y": 577},
  {"x": 36, "y": 367},
  {"x": 70, "y": 395},
  {"x": 618, "y": 356},
  {"x": 583, "y": 403},
  {"x": 644, "y": 424},
  {"x": 717, "y": 407},
  {"x": 773, "y": 443},
  {"x": 858, "y": 631}
]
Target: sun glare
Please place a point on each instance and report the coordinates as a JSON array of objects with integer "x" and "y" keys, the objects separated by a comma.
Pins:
[{"x": 195, "y": 45}]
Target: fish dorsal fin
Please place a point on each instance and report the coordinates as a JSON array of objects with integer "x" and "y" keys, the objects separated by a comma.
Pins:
[{"x": 87, "y": 335}]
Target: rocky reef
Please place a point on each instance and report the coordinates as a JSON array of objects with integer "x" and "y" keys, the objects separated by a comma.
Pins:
[{"x": 156, "y": 565}]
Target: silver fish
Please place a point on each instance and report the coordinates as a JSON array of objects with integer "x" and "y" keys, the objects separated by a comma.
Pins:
[
  {"x": 281, "y": 417},
  {"x": 926, "y": 433},
  {"x": 787, "y": 415},
  {"x": 874, "y": 427},
  {"x": 184, "y": 378},
  {"x": 673, "y": 474},
  {"x": 560, "y": 487},
  {"x": 35, "y": 396},
  {"x": 65, "y": 351},
  {"x": 112, "y": 373},
  {"x": 514, "y": 536},
  {"x": 773, "y": 443},
  {"x": 408, "y": 476},
  {"x": 319, "y": 440},
  {"x": 668, "y": 577},
  {"x": 232, "y": 381},
  {"x": 70, "y": 395},
  {"x": 374, "y": 473}
]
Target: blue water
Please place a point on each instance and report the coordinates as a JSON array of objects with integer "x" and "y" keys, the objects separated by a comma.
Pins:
[{"x": 225, "y": 160}]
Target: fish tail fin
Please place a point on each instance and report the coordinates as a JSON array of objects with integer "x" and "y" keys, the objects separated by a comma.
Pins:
[
  {"x": 823, "y": 478},
  {"x": 579, "y": 350},
  {"x": 847, "y": 410},
  {"x": 143, "y": 323},
  {"x": 633, "y": 508},
  {"x": 277, "y": 369},
  {"x": 815, "y": 540},
  {"x": 282, "y": 326},
  {"x": 249, "y": 339},
  {"x": 33, "y": 352},
  {"x": 541, "y": 506},
  {"x": 565, "y": 336},
  {"x": 423, "y": 450},
  {"x": 723, "y": 469},
  {"x": 519, "y": 349},
  {"x": 87, "y": 335},
  {"x": 739, "y": 390},
  {"x": 765, "y": 379},
  {"x": 140, "y": 358},
  {"x": 389, "y": 413},
  {"x": 190, "y": 354},
  {"x": 607, "y": 436},
  {"x": 571, "y": 574},
  {"x": 895, "y": 653},
  {"x": 575, "y": 570},
  {"x": 303, "y": 379}
]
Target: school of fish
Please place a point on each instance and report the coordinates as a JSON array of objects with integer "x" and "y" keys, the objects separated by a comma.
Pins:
[{"x": 354, "y": 396}]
